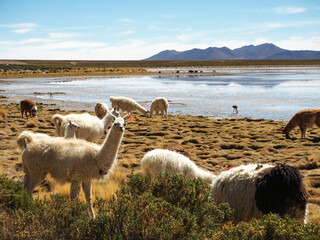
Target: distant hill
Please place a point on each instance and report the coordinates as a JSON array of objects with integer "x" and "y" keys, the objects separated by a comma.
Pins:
[{"x": 266, "y": 51}]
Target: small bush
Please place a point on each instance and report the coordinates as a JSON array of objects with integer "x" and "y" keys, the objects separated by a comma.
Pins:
[
  {"x": 171, "y": 207},
  {"x": 271, "y": 226},
  {"x": 14, "y": 196}
]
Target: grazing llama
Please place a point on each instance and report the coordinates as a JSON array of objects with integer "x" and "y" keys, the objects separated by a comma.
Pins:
[
  {"x": 127, "y": 105},
  {"x": 253, "y": 190},
  {"x": 28, "y": 106},
  {"x": 159, "y": 105},
  {"x": 303, "y": 119},
  {"x": 71, "y": 160}
]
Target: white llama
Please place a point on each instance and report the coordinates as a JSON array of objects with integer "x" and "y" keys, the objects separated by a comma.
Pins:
[
  {"x": 91, "y": 127},
  {"x": 71, "y": 129},
  {"x": 127, "y": 105},
  {"x": 159, "y": 105},
  {"x": 101, "y": 109},
  {"x": 71, "y": 160}
]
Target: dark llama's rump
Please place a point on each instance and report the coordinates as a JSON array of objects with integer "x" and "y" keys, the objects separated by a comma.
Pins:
[{"x": 280, "y": 190}]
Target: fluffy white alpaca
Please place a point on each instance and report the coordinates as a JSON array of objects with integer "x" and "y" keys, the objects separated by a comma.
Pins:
[
  {"x": 91, "y": 127},
  {"x": 161, "y": 160},
  {"x": 127, "y": 105},
  {"x": 101, "y": 109},
  {"x": 159, "y": 105},
  {"x": 70, "y": 160},
  {"x": 253, "y": 190}
]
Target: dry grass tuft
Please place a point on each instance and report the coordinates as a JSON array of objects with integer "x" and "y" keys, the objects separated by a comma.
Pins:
[
  {"x": 309, "y": 163},
  {"x": 31, "y": 124},
  {"x": 3, "y": 113},
  {"x": 13, "y": 127}
]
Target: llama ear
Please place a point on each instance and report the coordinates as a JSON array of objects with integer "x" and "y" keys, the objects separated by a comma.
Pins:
[{"x": 113, "y": 116}]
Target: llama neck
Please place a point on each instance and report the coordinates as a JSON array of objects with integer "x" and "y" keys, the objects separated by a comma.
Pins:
[
  {"x": 290, "y": 125},
  {"x": 205, "y": 175},
  {"x": 107, "y": 120},
  {"x": 141, "y": 109},
  {"x": 70, "y": 132},
  {"x": 107, "y": 156}
]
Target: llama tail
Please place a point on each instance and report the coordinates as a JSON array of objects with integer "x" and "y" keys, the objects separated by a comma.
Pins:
[
  {"x": 24, "y": 139},
  {"x": 57, "y": 119}
]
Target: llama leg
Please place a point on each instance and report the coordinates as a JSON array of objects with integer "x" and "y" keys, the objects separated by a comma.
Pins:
[
  {"x": 87, "y": 189},
  {"x": 303, "y": 132},
  {"x": 31, "y": 181},
  {"x": 27, "y": 182},
  {"x": 74, "y": 190}
]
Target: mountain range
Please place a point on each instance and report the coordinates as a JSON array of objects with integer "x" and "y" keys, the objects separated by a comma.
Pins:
[{"x": 266, "y": 51}]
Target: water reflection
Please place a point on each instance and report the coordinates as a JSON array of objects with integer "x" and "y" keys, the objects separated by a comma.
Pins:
[{"x": 269, "y": 94}]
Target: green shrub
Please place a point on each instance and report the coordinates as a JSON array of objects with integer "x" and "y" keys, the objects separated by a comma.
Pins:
[
  {"x": 271, "y": 226},
  {"x": 169, "y": 207},
  {"x": 14, "y": 196}
]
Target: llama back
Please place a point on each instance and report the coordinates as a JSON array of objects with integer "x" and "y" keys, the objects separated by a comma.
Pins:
[{"x": 60, "y": 157}]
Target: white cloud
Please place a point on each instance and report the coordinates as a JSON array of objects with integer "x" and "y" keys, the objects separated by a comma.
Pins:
[
  {"x": 289, "y": 10},
  {"x": 21, "y": 28},
  {"x": 128, "y": 32},
  {"x": 63, "y": 35},
  {"x": 300, "y": 43},
  {"x": 126, "y": 20},
  {"x": 20, "y": 25}
]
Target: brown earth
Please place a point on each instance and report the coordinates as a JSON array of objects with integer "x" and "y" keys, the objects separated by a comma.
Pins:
[{"x": 213, "y": 144}]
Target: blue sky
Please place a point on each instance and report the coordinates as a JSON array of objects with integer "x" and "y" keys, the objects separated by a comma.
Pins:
[{"x": 134, "y": 30}]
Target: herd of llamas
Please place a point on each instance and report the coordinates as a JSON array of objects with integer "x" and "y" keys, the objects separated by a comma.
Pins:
[{"x": 251, "y": 190}]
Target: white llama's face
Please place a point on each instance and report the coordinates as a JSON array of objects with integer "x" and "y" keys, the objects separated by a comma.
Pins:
[
  {"x": 119, "y": 124},
  {"x": 74, "y": 125}
]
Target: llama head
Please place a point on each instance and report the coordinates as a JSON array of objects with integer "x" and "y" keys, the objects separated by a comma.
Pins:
[
  {"x": 73, "y": 125},
  {"x": 34, "y": 111},
  {"x": 119, "y": 123},
  {"x": 285, "y": 131}
]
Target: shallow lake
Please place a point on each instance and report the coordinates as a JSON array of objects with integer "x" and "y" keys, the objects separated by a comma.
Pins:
[{"x": 270, "y": 94}]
